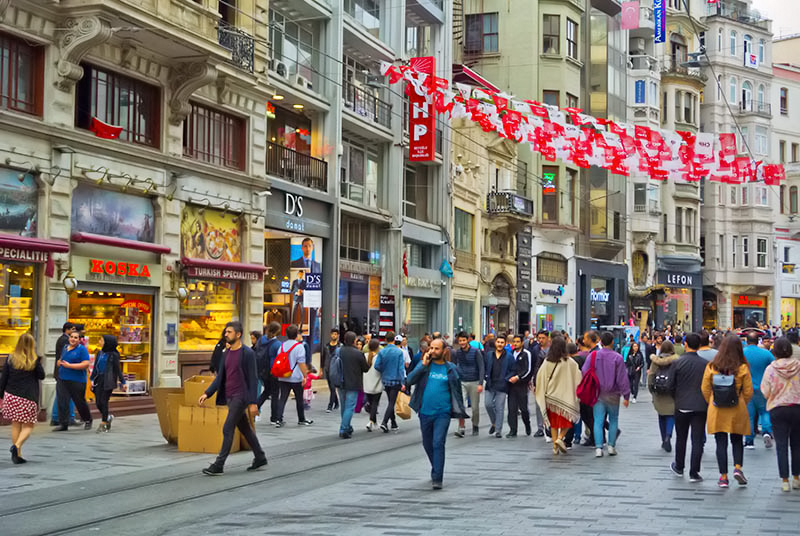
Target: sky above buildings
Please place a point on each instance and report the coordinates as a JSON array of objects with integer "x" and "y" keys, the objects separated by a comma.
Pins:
[{"x": 784, "y": 14}]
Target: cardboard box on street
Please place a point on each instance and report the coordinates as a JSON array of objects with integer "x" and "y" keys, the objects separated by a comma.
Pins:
[
  {"x": 160, "y": 399},
  {"x": 174, "y": 402},
  {"x": 200, "y": 429},
  {"x": 196, "y": 386}
]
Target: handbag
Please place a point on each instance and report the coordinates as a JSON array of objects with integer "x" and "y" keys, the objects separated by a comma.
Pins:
[
  {"x": 589, "y": 389},
  {"x": 401, "y": 406}
]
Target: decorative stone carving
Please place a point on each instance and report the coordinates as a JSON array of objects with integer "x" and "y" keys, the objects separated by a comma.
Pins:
[
  {"x": 128, "y": 53},
  {"x": 80, "y": 35},
  {"x": 3, "y": 8},
  {"x": 223, "y": 91},
  {"x": 185, "y": 79}
]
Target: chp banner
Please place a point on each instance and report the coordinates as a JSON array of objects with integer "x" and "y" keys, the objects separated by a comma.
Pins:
[
  {"x": 422, "y": 116},
  {"x": 571, "y": 136}
]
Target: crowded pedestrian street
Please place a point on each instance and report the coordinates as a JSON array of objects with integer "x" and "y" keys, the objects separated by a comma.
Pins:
[{"x": 131, "y": 482}]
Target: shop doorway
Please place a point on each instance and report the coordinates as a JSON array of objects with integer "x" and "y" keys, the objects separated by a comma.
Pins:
[
  {"x": 354, "y": 306},
  {"x": 126, "y": 314}
]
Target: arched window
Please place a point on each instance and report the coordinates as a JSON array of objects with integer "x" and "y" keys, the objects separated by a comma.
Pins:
[
  {"x": 762, "y": 51},
  {"x": 760, "y": 95},
  {"x": 748, "y": 44},
  {"x": 733, "y": 42},
  {"x": 793, "y": 200},
  {"x": 733, "y": 91},
  {"x": 678, "y": 49},
  {"x": 747, "y": 96}
]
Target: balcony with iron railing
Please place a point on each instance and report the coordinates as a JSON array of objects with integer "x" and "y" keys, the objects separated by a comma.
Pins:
[
  {"x": 239, "y": 42},
  {"x": 752, "y": 106},
  {"x": 367, "y": 105},
  {"x": 508, "y": 203},
  {"x": 739, "y": 12},
  {"x": 295, "y": 167}
]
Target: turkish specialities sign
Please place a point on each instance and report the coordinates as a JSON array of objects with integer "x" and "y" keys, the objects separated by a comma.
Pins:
[
  {"x": 204, "y": 272},
  {"x": 23, "y": 255},
  {"x": 105, "y": 270}
]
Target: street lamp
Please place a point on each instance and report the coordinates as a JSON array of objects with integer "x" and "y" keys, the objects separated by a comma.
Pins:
[{"x": 70, "y": 282}]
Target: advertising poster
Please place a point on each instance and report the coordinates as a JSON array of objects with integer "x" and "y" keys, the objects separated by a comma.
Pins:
[
  {"x": 18, "y": 201},
  {"x": 210, "y": 234},
  {"x": 305, "y": 259},
  {"x": 110, "y": 213}
]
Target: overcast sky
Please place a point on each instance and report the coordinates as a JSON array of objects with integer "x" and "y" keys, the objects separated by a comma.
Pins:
[{"x": 784, "y": 14}]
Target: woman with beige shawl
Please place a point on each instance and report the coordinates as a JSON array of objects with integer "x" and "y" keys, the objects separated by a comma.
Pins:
[{"x": 556, "y": 385}]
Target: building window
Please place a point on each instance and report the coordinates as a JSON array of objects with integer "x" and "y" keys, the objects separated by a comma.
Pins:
[
  {"x": 786, "y": 254},
  {"x": 482, "y": 33},
  {"x": 761, "y": 252},
  {"x": 359, "y": 172},
  {"x": 760, "y": 93},
  {"x": 733, "y": 195},
  {"x": 355, "y": 240},
  {"x": 745, "y": 195},
  {"x": 748, "y": 44},
  {"x": 734, "y": 242},
  {"x": 795, "y": 152},
  {"x": 665, "y": 227},
  {"x": 762, "y": 51},
  {"x": 761, "y": 140},
  {"x": 783, "y": 198},
  {"x": 793, "y": 200},
  {"x": 733, "y": 91},
  {"x": 463, "y": 231},
  {"x": 719, "y": 40},
  {"x": 640, "y": 197},
  {"x": 419, "y": 255},
  {"x": 550, "y": 97},
  {"x": 745, "y": 251},
  {"x": 689, "y": 226},
  {"x": 551, "y": 25},
  {"x": 21, "y": 69},
  {"x": 572, "y": 39},
  {"x": 568, "y": 198},
  {"x": 551, "y": 268},
  {"x": 214, "y": 137},
  {"x": 678, "y": 225},
  {"x": 119, "y": 100},
  {"x": 417, "y": 193},
  {"x": 572, "y": 101},
  {"x": 721, "y": 258},
  {"x": 782, "y": 151},
  {"x": 733, "y": 42},
  {"x": 550, "y": 194},
  {"x": 293, "y": 43},
  {"x": 784, "y": 101},
  {"x": 761, "y": 196},
  {"x": 744, "y": 140}
]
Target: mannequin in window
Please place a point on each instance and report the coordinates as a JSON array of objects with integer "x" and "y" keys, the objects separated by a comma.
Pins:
[{"x": 297, "y": 289}]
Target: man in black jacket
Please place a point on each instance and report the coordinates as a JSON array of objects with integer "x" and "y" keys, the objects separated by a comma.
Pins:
[
  {"x": 471, "y": 367},
  {"x": 236, "y": 386},
  {"x": 325, "y": 364},
  {"x": 354, "y": 365},
  {"x": 518, "y": 390},
  {"x": 690, "y": 407}
]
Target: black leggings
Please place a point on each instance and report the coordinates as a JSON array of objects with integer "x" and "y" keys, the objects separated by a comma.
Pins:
[
  {"x": 786, "y": 427},
  {"x": 737, "y": 442},
  {"x": 373, "y": 400},
  {"x": 102, "y": 396},
  {"x": 391, "y": 396},
  {"x": 67, "y": 390},
  {"x": 634, "y": 380}
]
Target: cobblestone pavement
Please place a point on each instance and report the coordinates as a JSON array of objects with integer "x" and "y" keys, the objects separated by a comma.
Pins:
[{"x": 131, "y": 482}]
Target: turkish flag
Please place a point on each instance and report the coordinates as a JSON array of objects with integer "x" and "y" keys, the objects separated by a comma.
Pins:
[{"x": 104, "y": 130}]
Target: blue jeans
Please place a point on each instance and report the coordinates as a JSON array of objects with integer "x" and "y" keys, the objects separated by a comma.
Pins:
[
  {"x": 600, "y": 410},
  {"x": 54, "y": 415},
  {"x": 434, "y": 433},
  {"x": 758, "y": 406},
  {"x": 347, "y": 400},
  {"x": 666, "y": 423}
]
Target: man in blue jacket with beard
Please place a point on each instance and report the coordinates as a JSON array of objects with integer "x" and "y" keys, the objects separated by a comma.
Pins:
[{"x": 499, "y": 370}]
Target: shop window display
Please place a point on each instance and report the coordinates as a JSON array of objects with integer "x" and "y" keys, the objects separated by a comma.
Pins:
[
  {"x": 16, "y": 303},
  {"x": 126, "y": 316},
  {"x": 209, "y": 306}
]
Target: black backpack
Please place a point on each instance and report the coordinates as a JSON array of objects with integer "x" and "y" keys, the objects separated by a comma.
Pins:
[
  {"x": 336, "y": 370},
  {"x": 262, "y": 356},
  {"x": 723, "y": 388},
  {"x": 662, "y": 381}
]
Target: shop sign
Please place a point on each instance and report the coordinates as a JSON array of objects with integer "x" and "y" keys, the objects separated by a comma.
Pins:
[
  {"x": 299, "y": 214},
  {"x": 113, "y": 271},
  {"x": 202, "y": 272},
  {"x": 553, "y": 291},
  {"x": 677, "y": 279},
  {"x": 599, "y": 296},
  {"x": 421, "y": 282},
  {"x": 422, "y": 116},
  {"x": 24, "y": 255},
  {"x": 355, "y": 267},
  {"x": 349, "y": 276},
  {"x": 374, "y": 292},
  {"x": 312, "y": 295},
  {"x": 386, "y": 321},
  {"x": 143, "y": 306},
  {"x": 750, "y": 301}
]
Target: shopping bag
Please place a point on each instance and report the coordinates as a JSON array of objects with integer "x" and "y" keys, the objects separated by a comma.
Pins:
[
  {"x": 401, "y": 407},
  {"x": 360, "y": 401}
]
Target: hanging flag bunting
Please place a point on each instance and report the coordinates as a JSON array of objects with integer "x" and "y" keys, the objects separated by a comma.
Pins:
[
  {"x": 422, "y": 115},
  {"x": 104, "y": 130},
  {"x": 660, "y": 18},
  {"x": 630, "y": 15},
  {"x": 573, "y": 137}
]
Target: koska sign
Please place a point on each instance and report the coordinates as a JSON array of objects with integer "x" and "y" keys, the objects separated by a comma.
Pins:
[{"x": 115, "y": 271}]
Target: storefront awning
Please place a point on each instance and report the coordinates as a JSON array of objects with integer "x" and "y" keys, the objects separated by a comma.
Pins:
[
  {"x": 33, "y": 244},
  {"x": 91, "y": 238},
  {"x": 204, "y": 268}
]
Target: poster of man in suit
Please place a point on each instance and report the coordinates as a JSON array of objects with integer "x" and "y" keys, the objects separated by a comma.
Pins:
[{"x": 307, "y": 258}]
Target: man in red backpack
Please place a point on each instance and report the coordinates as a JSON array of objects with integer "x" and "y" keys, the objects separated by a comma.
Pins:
[
  {"x": 293, "y": 346},
  {"x": 612, "y": 377}
]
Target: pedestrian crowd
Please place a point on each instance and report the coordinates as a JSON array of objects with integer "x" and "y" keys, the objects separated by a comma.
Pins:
[{"x": 731, "y": 386}]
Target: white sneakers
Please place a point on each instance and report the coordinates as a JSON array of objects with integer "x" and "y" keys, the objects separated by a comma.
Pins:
[
  {"x": 768, "y": 441},
  {"x": 612, "y": 451},
  {"x": 598, "y": 453}
]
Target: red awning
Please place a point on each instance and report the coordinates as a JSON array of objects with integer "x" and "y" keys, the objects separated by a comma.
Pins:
[
  {"x": 91, "y": 238},
  {"x": 33, "y": 244},
  {"x": 465, "y": 75}
]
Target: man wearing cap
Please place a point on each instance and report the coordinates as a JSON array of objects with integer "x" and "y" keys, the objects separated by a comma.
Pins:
[{"x": 391, "y": 364}]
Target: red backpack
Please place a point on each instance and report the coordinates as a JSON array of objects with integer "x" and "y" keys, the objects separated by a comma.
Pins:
[
  {"x": 589, "y": 389},
  {"x": 282, "y": 366}
]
